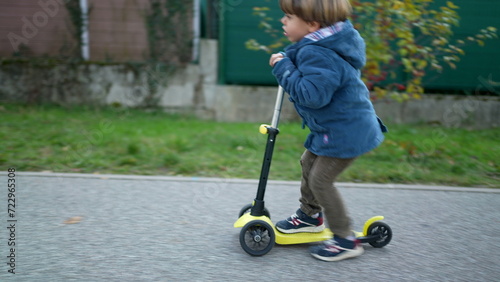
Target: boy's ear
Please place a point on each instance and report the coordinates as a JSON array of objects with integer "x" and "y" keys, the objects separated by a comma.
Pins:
[{"x": 313, "y": 26}]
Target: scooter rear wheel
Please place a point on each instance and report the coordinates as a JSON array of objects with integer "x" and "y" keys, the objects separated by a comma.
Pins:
[
  {"x": 248, "y": 208},
  {"x": 383, "y": 231},
  {"x": 257, "y": 237}
]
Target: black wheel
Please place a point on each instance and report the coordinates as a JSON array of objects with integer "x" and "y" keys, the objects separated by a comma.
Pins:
[
  {"x": 257, "y": 238},
  {"x": 383, "y": 231},
  {"x": 248, "y": 208}
]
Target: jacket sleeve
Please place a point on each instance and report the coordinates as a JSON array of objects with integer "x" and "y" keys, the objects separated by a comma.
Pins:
[{"x": 312, "y": 81}]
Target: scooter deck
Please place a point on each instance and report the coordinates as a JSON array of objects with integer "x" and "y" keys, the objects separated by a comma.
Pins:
[
  {"x": 302, "y": 237},
  {"x": 290, "y": 239}
]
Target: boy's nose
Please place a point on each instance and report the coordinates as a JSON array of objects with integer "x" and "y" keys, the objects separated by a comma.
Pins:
[{"x": 283, "y": 19}]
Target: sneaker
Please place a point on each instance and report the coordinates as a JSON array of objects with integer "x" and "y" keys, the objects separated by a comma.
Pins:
[
  {"x": 301, "y": 222},
  {"x": 337, "y": 249}
]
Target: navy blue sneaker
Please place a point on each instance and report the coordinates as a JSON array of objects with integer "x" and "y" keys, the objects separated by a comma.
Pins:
[
  {"x": 301, "y": 222},
  {"x": 337, "y": 249}
]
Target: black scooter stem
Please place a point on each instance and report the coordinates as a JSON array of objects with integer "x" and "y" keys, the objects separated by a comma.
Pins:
[{"x": 272, "y": 131}]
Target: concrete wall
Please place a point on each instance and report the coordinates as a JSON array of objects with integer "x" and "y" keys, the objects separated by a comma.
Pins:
[
  {"x": 194, "y": 90},
  {"x": 477, "y": 112}
]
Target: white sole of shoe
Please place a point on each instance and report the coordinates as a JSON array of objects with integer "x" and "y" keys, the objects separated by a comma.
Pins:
[
  {"x": 315, "y": 229},
  {"x": 345, "y": 255}
]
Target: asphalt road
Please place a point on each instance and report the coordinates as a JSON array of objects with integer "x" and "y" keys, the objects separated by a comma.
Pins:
[{"x": 121, "y": 228}]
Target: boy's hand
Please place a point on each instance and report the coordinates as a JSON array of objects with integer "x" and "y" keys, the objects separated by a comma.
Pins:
[{"x": 275, "y": 58}]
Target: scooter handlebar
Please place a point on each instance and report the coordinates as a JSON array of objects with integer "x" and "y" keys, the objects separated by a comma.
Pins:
[{"x": 263, "y": 128}]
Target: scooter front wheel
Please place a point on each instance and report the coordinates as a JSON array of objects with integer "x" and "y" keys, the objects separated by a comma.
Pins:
[
  {"x": 382, "y": 231},
  {"x": 257, "y": 237},
  {"x": 248, "y": 208}
]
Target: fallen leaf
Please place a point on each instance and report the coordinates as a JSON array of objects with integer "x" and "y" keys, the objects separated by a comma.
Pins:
[{"x": 73, "y": 220}]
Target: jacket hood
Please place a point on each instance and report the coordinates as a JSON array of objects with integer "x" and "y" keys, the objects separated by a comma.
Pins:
[{"x": 347, "y": 43}]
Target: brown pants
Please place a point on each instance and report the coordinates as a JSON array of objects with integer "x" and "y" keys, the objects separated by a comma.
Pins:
[{"x": 318, "y": 192}]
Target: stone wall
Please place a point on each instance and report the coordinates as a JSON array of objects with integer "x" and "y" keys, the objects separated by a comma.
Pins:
[{"x": 477, "y": 112}]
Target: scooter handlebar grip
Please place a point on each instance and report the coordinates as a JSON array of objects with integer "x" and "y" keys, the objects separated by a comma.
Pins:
[{"x": 263, "y": 128}]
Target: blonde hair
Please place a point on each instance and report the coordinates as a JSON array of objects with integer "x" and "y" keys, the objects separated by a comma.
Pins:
[{"x": 325, "y": 12}]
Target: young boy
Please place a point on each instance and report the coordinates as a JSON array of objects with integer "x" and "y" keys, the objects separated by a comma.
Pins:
[{"x": 321, "y": 73}]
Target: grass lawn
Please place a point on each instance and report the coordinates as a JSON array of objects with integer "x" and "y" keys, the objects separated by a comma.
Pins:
[{"x": 121, "y": 141}]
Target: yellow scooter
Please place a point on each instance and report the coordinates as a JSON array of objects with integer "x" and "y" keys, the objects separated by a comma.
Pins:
[{"x": 258, "y": 234}]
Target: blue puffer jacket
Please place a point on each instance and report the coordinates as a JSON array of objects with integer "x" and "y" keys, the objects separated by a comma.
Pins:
[{"x": 323, "y": 81}]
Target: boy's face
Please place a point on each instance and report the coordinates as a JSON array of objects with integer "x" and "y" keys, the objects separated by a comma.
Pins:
[{"x": 295, "y": 28}]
